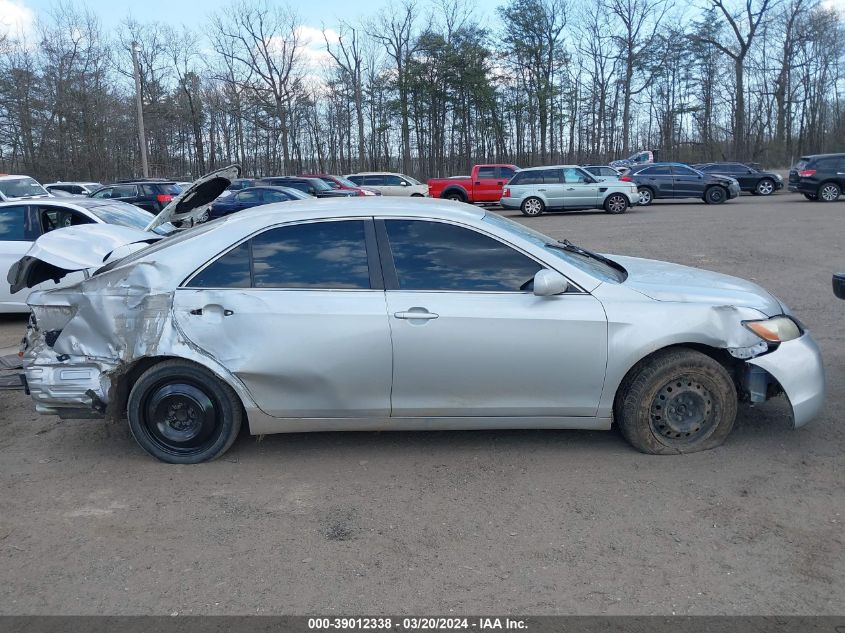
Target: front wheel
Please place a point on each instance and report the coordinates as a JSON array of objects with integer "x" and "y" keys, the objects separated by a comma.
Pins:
[
  {"x": 676, "y": 401},
  {"x": 646, "y": 196},
  {"x": 829, "y": 192},
  {"x": 715, "y": 195},
  {"x": 181, "y": 413},
  {"x": 417, "y": 195},
  {"x": 616, "y": 203},
  {"x": 532, "y": 207}
]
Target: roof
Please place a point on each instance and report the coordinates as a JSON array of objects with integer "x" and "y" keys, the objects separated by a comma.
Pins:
[
  {"x": 553, "y": 167},
  {"x": 14, "y": 176},
  {"x": 359, "y": 206},
  {"x": 376, "y": 173}
]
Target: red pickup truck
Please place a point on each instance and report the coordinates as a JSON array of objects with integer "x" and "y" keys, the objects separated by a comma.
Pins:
[{"x": 484, "y": 185}]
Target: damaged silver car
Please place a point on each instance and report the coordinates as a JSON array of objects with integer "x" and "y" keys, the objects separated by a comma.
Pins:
[{"x": 388, "y": 314}]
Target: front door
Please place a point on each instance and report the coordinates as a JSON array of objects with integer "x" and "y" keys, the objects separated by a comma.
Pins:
[
  {"x": 18, "y": 230},
  {"x": 297, "y": 313},
  {"x": 471, "y": 339},
  {"x": 581, "y": 190},
  {"x": 687, "y": 182}
]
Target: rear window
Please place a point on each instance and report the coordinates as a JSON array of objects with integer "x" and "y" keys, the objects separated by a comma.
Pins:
[{"x": 802, "y": 163}]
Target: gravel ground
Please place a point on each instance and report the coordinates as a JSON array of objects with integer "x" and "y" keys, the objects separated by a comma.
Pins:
[{"x": 532, "y": 522}]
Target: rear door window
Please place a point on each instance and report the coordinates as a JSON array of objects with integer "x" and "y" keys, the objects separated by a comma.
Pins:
[
  {"x": 486, "y": 173},
  {"x": 375, "y": 181},
  {"x": 657, "y": 170},
  {"x": 552, "y": 176},
  {"x": 124, "y": 191}
]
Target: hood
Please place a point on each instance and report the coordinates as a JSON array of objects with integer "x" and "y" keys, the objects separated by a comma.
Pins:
[
  {"x": 63, "y": 251},
  {"x": 190, "y": 205},
  {"x": 664, "y": 281}
]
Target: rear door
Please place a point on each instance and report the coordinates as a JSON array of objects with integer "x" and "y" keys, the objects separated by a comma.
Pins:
[
  {"x": 659, "y": 179},
  {"x": 18, "y": 230},
  {"x": 487, "y": 186},
  {"x": 580, "y": 189},
  {"x": 297, "y": 313},
  {"x": 553, "y": 187},
  {"x": 687, "y": 182}
]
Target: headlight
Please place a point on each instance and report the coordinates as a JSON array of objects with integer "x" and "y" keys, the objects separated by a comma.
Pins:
[
  {"x": 779, "y": 177},
  {"x": 775, "y": 330}
]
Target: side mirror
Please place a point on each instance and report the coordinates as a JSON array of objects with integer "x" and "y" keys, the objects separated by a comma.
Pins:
[
  {"x": 312, "y": 191},
  {"x": 404, "y": 183},
  {"x": 548, "y": 283},
  {"x": 839, "y": 285}
]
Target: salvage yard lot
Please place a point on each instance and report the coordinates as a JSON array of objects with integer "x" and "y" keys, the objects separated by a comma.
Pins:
[{"x": 534, "y": 522}]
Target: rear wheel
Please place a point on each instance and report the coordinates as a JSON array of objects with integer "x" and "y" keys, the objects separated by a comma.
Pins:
[
  {"x": 765, "y": 187},
  {"x": 715, "y": 195},
  {"x": 829, "y": 192},
  {"x": 677, "y": 401},
  {"x": 455, "y": 196},
  {"x": 646, "y": 196},
  {"x": 616, "y": 203},
  {"x": 532, "y": 207},
  {"x": 181, "y": 413}
]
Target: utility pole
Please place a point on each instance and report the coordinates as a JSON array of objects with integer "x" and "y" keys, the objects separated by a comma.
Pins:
[{"x": 142, "y": 137}]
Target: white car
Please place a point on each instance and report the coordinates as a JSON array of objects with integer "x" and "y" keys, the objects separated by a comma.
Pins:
[
  {"x": 21, "y": 188},
  {"x": 21, "y": 223},
  {"x": 390, "y": 184},
  {"x": 75, "y": 188}
]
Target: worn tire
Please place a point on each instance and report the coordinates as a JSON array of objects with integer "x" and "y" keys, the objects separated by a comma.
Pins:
[
  {"x": 715, "y": 195},
  {"x": 703, "y": 390},
  {"x": 828, "y": 192},
  {"x": 765, "y": 187},
  {"x": 616, "y": 203},
  {"x": 532, "y": 207},
  {"x": 185, "y": 394},
  {"x": 646, "y": 196}
]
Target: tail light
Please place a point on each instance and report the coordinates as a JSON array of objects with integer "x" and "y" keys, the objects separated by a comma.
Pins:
[
  {"x": 164, "y": 197},
  {"x": 361, "y": 192},
  {"x": 506, "y": 193},
  {"x": 626, "y": 179},
  {"x": 806, "y": 173}
]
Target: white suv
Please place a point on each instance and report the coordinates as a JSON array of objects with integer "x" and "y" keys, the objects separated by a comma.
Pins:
[
  {"x": 390, "y": 184},
  {"x": 20, "y": 188}
]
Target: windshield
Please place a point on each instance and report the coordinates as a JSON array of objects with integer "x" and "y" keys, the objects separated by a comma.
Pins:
[
  {"x": 585, "y": 263},
  {"x": 345, "y": 182},
  {"x": 122, "y": 215},
  {"x": 297, "y": 194},
  {"x": 21, "y": 188}
]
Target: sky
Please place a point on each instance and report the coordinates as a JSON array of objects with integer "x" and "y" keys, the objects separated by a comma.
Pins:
[{"x": 195, "y": 12}]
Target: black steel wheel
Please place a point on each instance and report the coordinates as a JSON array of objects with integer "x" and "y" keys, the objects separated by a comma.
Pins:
[
  {"x": 676, "y": 401},
  {"x": 181, "y": 413},
  {"x": 715, "y": 195}
]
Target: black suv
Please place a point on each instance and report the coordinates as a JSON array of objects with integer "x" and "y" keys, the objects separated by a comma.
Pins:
[
  {"x": 819, "y": 177},
  {"x": 151, "y": 195},
  {"x": 674, "y": 180},
  {"x": 752, "y": 179},
  {"x": 314, "y": 186}
]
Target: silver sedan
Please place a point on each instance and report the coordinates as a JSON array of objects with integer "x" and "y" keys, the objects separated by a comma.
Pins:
[{"x": 386, "y": 314}]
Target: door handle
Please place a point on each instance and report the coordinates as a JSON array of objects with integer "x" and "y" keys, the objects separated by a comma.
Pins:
[
  {"x": 198, "y": 312},
  {"x": 500, "y": 183},
  {"x": 541, "y": 190},
  {"x": 477, "y": 182},
  {"x": 570, "y": 188},
  {"x": 418, "y": 313}
]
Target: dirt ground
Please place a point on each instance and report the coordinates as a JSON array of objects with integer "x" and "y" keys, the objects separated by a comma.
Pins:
[{"x": 551, "y": 522}]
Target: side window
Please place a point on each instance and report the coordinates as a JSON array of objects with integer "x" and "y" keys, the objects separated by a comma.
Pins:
[
  {"x": 356, "y": 179},
  {"x": 16, "y": 225},
  {"x": 596, "y": 171},
  {"x": 486, "y": 173},
  {"x": 552, "y": 176},
  {"x": 658, "y": 170},
  {"x": 683, "y": 171},
  {"x": 506, "y": 173},
  {"x": 392, "y": 181},
  {"x": 275, "y": 196},
  {"x": 314, "y": 255},
  {"x": 375, "y": 181},
  {"x": 59, "y": 218},
  {"x": 533, "y": 177},
  {"x": 298, "y": 184},
  {"x": 572, "y": 175},
  {"x": 438, "y": 256},
  {"x": 103, "y": 193},
  {"x": 124, "y": 191},
  {"x": 232, "y": 270},
  {"x": 248, "y": 196}
]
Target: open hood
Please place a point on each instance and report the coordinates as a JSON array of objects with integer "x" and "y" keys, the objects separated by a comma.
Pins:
[
  {"x": 63, "y": 251},
  {"x": 190, "y": 205}
]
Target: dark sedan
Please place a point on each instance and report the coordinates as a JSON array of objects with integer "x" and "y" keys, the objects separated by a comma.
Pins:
[
  {"x": 674, "y": 180},
  {"x": 253, "y": 197},
  {"x": 751, "y": 179},
  {"x": 312, "y": 186}
]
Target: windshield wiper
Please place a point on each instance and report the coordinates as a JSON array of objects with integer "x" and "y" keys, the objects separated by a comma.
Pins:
[{"x": 566, "y": 245}]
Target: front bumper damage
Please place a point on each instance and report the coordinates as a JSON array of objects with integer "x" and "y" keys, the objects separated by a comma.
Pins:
[{"x": 797, "y": 367}]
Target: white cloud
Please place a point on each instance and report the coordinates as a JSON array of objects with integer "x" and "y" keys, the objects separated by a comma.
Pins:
[
  {"x": 314, "y": 52},
  {"x": 16, "y": 19}
]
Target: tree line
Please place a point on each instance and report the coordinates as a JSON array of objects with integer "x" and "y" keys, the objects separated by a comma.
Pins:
[{"x": 423, "y": 88}]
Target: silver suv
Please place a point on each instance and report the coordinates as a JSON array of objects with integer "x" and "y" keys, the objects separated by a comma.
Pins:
[{"x": 566, "y": 188}]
